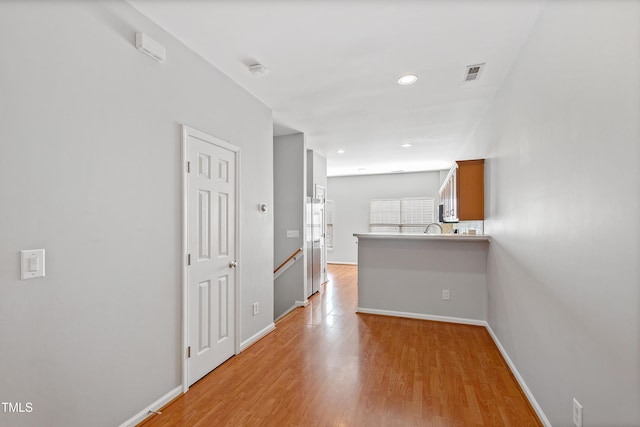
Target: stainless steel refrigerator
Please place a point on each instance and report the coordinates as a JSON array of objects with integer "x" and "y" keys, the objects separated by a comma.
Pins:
[{"x": 313, "y": 247}]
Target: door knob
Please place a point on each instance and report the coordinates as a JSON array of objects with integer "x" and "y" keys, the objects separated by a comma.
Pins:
[{"x": 233, "y": 264}]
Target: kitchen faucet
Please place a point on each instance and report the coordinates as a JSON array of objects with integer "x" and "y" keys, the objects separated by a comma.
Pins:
[{"x": 426, "y": 230}]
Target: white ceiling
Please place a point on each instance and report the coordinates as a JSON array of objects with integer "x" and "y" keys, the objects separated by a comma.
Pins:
[{"x": 333, "y": 69}]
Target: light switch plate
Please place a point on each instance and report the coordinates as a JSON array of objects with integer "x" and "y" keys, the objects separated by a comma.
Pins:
[
  {"x": 31, "y": 264},
  {"x": 293, "y": 234}
]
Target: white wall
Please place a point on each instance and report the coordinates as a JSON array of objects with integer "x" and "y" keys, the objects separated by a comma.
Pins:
[
  {"x": 90, "y": 170},
  {"x": 352, "y": 195},
  {"x": 562, "y": 201},
  {"x": 289, "y": 157}
]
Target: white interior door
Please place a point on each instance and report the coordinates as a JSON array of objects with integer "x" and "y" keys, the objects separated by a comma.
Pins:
[{"x": 211, "y": 293}]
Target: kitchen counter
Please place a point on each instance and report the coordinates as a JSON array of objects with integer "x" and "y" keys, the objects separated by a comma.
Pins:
[
  {"x": 423, "y": 236},
  {"x": 407, "y": 275}
]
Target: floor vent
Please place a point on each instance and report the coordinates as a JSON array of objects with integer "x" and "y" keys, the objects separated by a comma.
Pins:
[{"x": 473, "y": 72}]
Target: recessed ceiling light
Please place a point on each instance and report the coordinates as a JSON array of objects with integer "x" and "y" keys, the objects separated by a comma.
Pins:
[
  {"x": 340, "y": 151},
  {"x": 407, "y": 79},
  {"x": 407, "y": 145},
  {"x": 362, "y": 169}
]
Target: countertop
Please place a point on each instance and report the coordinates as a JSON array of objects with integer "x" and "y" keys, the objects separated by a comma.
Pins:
[{"x": 422, "y": 236}]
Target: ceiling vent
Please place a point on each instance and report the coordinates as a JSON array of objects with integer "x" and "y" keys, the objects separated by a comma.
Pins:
[{"x": 473, "y": 72}]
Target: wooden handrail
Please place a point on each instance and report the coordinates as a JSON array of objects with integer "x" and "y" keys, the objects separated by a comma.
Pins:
[{"x": 287, "y": 260}]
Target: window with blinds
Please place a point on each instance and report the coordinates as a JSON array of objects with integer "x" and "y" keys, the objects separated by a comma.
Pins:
[
  {"x": 384, "y": 216},
  {"x": 410, "y": 215}
]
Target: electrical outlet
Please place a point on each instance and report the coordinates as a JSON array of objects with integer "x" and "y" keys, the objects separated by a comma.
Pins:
[
  {"x": 256, "y": 308},
  {"x": 445, "y": 294},
  {"x": 577, "y": 413}
]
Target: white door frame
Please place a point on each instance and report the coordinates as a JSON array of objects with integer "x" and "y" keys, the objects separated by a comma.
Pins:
[
  {"x": 323, "y": 258},
  {"x": 194, "y": 133}
]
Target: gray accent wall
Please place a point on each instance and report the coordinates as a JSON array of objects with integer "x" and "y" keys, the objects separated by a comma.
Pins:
[
  {"x": 91, "y": 170},
  {"x": 289, "y": 156},
  {"x": 562, "y": 143},
  {"x": 351, "y": 196}
]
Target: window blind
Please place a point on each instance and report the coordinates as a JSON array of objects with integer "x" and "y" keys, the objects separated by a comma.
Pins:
[{"x": 408, "y": 215}]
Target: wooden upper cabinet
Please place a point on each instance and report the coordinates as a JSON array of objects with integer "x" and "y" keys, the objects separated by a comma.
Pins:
[
  {"x": 462, "y": 193},
  {"x": 470, "y": 190}
]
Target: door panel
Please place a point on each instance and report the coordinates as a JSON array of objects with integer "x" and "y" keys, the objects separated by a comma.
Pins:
[
  {"x": 211, "y": 241},
  {"x": 223, "y": 225},
  {"x": 204, "y": 224},
  {"x": 204, "y": 313},
  {"x": 223, "y": 308}
]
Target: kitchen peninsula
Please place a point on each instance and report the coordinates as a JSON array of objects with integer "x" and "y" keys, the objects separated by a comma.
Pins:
[{"x": 412, "y": 275}]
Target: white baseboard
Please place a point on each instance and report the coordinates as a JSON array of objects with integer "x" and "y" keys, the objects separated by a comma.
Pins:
[
  {"x": 422, "y": 316},
  {"x": 293, "y": 307},
  {"x": 255, "y": 337},
  {"x": 342, "y": 263},
  {"x": 523, "y": 385},
  {"x": 140, "y": 416},
  {"x": 287, "y": 311}
]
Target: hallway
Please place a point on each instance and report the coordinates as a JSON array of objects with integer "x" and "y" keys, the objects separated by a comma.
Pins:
[{"x": 325, "y": 365}]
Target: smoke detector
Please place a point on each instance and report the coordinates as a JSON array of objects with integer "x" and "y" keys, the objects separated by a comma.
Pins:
[
  {"x": 473, "y": 72},
  {"x": 258, "y": 69}
]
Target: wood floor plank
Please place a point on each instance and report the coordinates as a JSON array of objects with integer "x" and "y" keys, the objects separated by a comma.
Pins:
[{"x": 325, "y": 365}]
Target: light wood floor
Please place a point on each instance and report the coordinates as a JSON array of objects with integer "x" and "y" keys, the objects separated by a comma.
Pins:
[{"x": 325, "y": 365}]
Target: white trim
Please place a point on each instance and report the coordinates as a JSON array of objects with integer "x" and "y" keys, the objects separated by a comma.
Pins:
[
  {"x": 186, "y": 133},
  {"x": 140, "y": 416},
  {"x": 257, "y": 336},
  {"x": 523, "y": 385},
  {"x": 238, "y": 337},
  {"x": 287, "y": 311},
  {"x": 210, "y": 139},
  {"x": 422, "y": 316},
  {"x": 297, "y": 304},
  {"x": 342, "y": 262},
  {"x": 183, "y": 263},
  {"x": 323, "y": 239}
]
